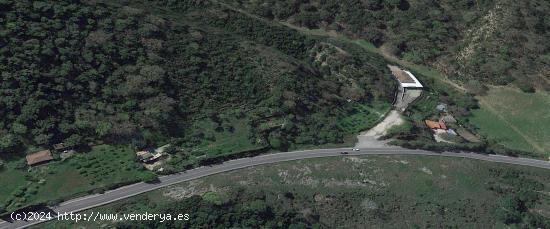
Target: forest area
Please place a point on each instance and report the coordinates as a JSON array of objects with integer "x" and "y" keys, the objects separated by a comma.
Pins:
[
  {"x": 82, "y": 72},
  {"x": 479, "y": 42}
]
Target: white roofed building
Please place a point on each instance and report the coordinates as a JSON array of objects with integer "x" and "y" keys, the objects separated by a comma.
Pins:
[
  {"x": 410, "y": 87},
  {"x": 405, "y": 78}
]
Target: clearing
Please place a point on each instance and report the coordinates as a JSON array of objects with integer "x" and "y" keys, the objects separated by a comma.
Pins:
[
  {"x": 516, "y": 119},
  {"x": 370, "y": 137}
]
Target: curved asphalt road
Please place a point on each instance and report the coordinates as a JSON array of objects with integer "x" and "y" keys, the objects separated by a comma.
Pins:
[{"x": 91, "y": 201}]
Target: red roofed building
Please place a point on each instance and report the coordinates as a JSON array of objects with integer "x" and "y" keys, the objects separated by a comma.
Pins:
[
  {"x": 436, "y": 125},
  {"x": 431, "y": 124},
  {"x": 442, "y": 124}
]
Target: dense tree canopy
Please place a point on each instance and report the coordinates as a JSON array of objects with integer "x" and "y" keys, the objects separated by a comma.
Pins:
[
  {"x": 81, "y": 71},
  {"x": 71, "y": 70}
]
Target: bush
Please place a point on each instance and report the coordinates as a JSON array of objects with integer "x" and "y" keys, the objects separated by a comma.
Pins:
[
  {"x": 54, "y": 202},
  {"x": 400, "y": 131},
  {"x": 99, "y": 190},
  {"x": 21, "y": 164},
  {"x": 149, "y": 177},
  {"x": 475, "y": 87},
  {"x": 525, "y": 86}
]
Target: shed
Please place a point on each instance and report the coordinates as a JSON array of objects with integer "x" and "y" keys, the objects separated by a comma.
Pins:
[
  {"x": 61, "y": 147},
  {"x": 39, "y": 157},
  {"x": 442, "y": 107},
  {"x": 451, "y": 131},
  {"x": 144, "y": 156}
]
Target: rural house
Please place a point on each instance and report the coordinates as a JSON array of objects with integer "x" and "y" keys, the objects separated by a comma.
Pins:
[
  {"x": 39, "y": 157},
  {"x": 442, "y": 124},
  {"x": 147, "y": 157},
  {"x": 436, "y": 125}
]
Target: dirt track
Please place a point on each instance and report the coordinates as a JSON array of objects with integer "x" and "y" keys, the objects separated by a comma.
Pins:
[{"x": 370, "y": 137}]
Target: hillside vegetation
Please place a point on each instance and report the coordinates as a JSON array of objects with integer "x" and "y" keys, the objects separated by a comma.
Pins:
[
  {"x": 86, "y": 71},
  {"x": 113, "y": 77},
  {"x": 495, "y": 42}
]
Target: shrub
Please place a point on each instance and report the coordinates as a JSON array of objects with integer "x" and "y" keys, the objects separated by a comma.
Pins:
[
  {"x": 149, "y": 177},
  {"x": 475, "y": 87}
]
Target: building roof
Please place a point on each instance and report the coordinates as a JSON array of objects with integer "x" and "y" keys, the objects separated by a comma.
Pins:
[
  {"x": 451, "y": 131},
  {"x": 144, "y": 154},
  {"x": 436, "y": 124},
  {"x": 39, "y": 157},
  {"x": 442, "y": 124},
  {"x": 405, "y": 78},
  {"x": 448, "y": 118},
  {"x": 431, "y": 124},
  {"x": 441, "y": 107},
  {"x": 60, "y": 146}
]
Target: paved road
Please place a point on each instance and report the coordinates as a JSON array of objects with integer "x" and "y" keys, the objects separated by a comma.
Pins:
[{"x": 91, "y": 201}]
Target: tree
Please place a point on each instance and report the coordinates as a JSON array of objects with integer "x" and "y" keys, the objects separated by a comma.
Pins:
[
  {"x": 277, "y": 141},
  {"x": 138, "y": 142},
  {"x": 74, "y": 140},
  {"x": 149, "y": 177},
  {"x": 8, "y": 142},
  {"x": 18, "y": 128}
]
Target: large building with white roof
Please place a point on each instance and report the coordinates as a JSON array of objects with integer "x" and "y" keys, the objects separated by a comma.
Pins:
[{"x": 410, "y": 87}]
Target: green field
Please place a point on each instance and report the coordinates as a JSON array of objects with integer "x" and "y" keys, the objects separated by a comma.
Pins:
[
  {"x": 515, "y": 119},
  {"x": 378, "y": 191}
]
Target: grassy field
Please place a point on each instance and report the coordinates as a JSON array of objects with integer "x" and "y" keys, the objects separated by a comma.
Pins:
[
  {"x": 516, "y": 119},
  {"x": 353, "y": 192}
]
